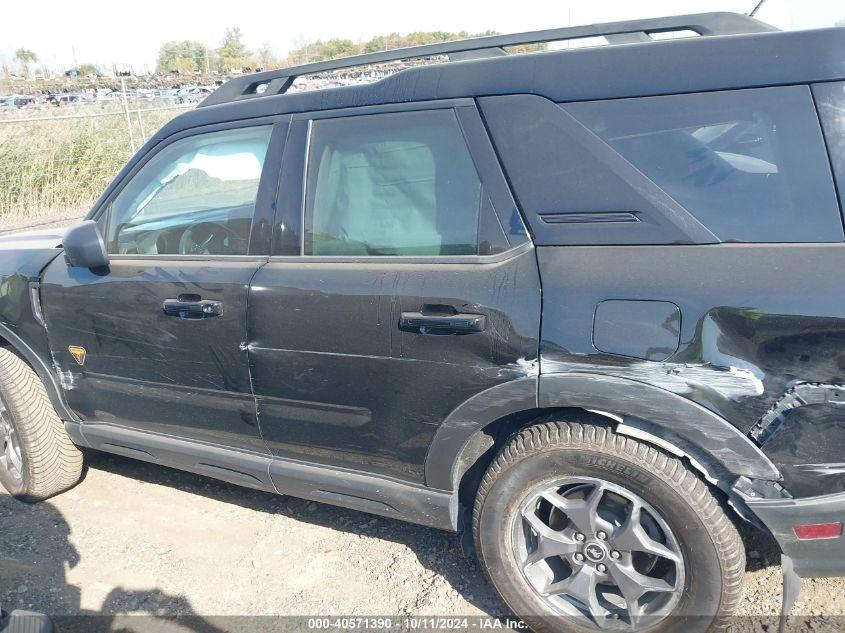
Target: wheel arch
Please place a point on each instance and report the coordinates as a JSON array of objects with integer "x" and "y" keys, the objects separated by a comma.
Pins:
[
  {"x": 471, "y": 435},
  {"x": 39, "y": 364}
]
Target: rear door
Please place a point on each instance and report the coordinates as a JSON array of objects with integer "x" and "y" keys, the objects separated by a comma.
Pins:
[
  {"x": 186, "y": 230},
  {"x": 402, "y": 283}
]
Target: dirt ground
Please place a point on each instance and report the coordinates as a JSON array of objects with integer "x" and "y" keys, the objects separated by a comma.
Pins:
[{"x": 134, "y": 538}]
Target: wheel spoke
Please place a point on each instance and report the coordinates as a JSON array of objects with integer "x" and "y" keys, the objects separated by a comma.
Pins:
[
  {"x": 583, "y": 513},
  {"x": 549, "y": 542},
  {"x": 631, "y": 537},
  {"x": 633, "y": 585},
  {"x": 581, "y": 585}
]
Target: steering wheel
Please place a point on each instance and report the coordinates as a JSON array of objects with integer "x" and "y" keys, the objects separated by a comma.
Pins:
[{"x": 205, "y": 238}]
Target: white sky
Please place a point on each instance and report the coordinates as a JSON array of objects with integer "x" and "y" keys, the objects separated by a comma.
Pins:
[{"x": 64, "y": 32}]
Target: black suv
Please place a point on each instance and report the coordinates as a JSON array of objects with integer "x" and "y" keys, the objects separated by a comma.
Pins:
[{"x": 581, "y": 305}]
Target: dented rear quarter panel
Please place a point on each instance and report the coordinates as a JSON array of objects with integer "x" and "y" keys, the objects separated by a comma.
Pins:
[{"x": 754, "y": 320}]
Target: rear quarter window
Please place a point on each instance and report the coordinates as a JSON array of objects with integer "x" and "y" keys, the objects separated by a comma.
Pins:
[
  {"x": 830, "y": 101},
  {"x": 750, "y": 165}
]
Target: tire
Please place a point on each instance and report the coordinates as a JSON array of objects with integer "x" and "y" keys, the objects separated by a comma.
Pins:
[
  {"x": 553, "y": 472},
  {"x": 44, "y": 461}
]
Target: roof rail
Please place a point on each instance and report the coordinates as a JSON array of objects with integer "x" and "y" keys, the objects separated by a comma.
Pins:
[{"x": 275, "y": 82}]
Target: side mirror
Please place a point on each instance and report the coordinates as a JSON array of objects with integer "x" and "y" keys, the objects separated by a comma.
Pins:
[{"x": 84, "y": 246}]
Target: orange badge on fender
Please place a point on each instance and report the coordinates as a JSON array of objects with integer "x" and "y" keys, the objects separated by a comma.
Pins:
[{"x": 78, "y": 354}]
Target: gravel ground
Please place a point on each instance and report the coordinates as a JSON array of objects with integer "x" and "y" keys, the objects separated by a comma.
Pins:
[{"x": 134, "y": 538}]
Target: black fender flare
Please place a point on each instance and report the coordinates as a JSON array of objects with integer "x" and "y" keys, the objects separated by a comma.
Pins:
[
  {"x": 444, "y": 452},
  {"x": 696, "y": 426},
  {"x": 42, "y": 368}
]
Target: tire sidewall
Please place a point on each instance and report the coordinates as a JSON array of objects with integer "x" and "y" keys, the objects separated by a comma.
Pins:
[{"x": 703, "y": 578}]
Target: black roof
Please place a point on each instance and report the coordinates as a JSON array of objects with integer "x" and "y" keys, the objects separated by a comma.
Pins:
[
  {"x": 275, "y": 82},
  {"x": 691, "y": 64}
]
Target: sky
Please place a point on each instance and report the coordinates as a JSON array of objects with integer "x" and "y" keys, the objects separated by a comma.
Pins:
[{"x": 65, "y": 33}]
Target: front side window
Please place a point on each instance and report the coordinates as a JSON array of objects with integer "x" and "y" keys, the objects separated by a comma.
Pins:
[
  {"x": 748, "y": 164},
  {"x": 391, "y": 184},
  {"x": 195, "y": 197}
]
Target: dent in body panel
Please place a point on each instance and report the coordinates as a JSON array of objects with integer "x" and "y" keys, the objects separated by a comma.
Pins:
[
  {"x": 744, "y": 339},
  {"x": 658, "y": 409},
  {"x": 716, "y": 376},
  {"x": 804, "y": 434}
]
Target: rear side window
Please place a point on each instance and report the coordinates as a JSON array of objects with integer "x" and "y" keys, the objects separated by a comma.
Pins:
[
  {"x": 392, "y": 184},
  {"x": 748, "y": 164},
  {"x": 830, "y": 100}
]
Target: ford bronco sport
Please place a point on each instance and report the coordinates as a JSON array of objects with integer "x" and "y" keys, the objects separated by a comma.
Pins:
[{"x": 581, "y": 305}]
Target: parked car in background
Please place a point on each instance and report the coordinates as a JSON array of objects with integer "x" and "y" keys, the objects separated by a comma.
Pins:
[
  {"x": 17, "y": 101},
  {"x": 192, "y": 94}
]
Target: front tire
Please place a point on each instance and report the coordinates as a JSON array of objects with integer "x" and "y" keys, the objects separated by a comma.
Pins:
[
  {"x": 37, "y": 458},
  {"x": 581, "y": 529}
]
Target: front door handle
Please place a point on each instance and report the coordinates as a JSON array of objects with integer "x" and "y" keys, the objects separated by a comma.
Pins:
[
  {"x": 192, "y": 307},
  {"x": 457, "y": 323}
]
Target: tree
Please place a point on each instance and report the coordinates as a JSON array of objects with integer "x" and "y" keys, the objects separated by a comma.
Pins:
[
  {"x": 266, "y": 57},
  {"x": 88, "y": 69},
  {"x": 319, "y": 50},
  {"x": 184, "y": 57},
  {"x": 25, "y": 57},
  {"x": 233, "y": 53},
  {"x": 338, "y": 48}
]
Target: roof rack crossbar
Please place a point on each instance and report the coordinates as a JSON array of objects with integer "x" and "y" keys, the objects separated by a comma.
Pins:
[{"x": 276, "y": 82}]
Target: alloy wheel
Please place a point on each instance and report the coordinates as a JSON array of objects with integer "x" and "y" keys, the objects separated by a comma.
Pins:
[
  {"x": 11, "y": 458},
  {"x": 598, "y": 553}
]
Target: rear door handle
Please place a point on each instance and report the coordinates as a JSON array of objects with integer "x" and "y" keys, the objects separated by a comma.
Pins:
[
  {"x": 192, "y": 307},
  {"x": 458, "y": 323}
]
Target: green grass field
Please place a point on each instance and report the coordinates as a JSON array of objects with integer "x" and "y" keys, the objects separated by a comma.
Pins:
[{"x": 60, "y": 167}]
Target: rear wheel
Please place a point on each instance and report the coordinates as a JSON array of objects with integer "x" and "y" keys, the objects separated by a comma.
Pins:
[
  {"x": 37, "y": 458},
  {"x": 582, "y": 529}
]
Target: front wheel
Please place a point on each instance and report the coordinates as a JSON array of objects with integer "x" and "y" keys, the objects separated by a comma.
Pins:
[
  {"x": 582, "y": 529},
  {"x": 37, "y": 458}
]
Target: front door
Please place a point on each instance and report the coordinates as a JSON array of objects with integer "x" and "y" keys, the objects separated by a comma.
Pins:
[
  {"x": 156, "y": 342},
  {"x": 401, "y": 285}
]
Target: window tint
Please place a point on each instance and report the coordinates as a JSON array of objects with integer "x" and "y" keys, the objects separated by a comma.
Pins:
[
  {"x": 830, "y": 100},
  {"x": 195, "y": 197},
  {"x": 749, "y": 164},
  {"x": 391, "y": 184}
]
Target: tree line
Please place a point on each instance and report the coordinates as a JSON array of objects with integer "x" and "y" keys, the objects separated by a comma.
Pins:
[{"x": 188, "y": 56}]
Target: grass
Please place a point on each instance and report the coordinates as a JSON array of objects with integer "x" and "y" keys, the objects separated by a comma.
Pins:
[{"x": 58, "y": 168}]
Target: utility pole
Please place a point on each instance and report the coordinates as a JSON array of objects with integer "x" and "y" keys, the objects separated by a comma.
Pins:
[
  {"x": 207, "y": 65},
  {"x": 126, "y": 111}
]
